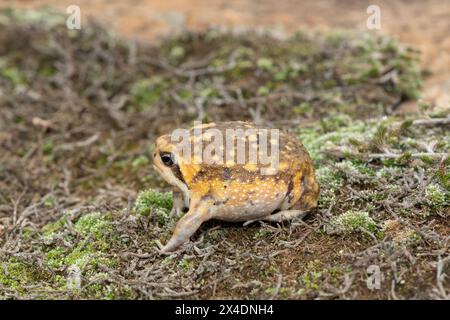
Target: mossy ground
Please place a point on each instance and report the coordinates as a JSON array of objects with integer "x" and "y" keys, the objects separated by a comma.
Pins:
[{"x": 79, "y": 112}]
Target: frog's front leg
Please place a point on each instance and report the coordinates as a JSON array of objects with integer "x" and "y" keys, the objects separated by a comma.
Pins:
[
  {"x": 199, "y": 211},
  {"x": 178, "y": 203}
]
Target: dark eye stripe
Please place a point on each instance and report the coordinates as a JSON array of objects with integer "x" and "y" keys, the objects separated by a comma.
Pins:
[{"x": 177, "y": 172}]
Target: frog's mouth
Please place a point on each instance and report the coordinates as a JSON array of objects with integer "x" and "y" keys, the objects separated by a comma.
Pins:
[
  {"x": 157, "y": 169},
  {"x": 165, "y": 174}
]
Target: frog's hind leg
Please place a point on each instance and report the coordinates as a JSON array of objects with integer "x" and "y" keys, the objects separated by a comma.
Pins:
[
  {"x": 280, "y": 216},
  {"x": 285, "y": 215}
]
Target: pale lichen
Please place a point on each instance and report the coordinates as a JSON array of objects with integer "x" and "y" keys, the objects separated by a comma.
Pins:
[
  {"x": 352, "y": 221},
  {"x": 436, "y": 197}
]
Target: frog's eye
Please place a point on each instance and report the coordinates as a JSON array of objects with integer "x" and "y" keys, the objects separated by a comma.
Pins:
[{"x": 167, "y": 158}]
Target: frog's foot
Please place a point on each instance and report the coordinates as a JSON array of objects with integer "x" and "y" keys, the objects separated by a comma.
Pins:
[
  {"x": 280, "y": 216},
  {"x": 285, "y": 215}
]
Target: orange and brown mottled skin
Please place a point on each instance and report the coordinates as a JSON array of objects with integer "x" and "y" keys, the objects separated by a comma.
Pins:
[{"x": 238, "y": 192}]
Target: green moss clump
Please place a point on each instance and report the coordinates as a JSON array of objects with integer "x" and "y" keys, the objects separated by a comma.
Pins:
[
  {"x": 94, "y": 224},
  {"x": 88, "y": 257},
  {"x": 316, "y": 274},
  {"x": 328, "y": 177},
  {"x": 109, "y": 291},
  {"x": 146, "y": 92},
  {"x": 261, "y": 233},
  {"x": 151, "y": 200},
  {"x": 55, "y": 258},
  {"x": 140, "y": 161},
  {"x": 330, "y": 182},
  {"x": 13, "y": 273},
  {"x": 410, "y": 82},
  {"x": 52, "y": 230},
  {"x": 351, "y": 221},
  {"x": 47, "y": 148},
  {"x": 88, "y": 253},
  {"x": 18, "y": 274},
  {"x": 356, "y": 168},
  {"x": 14, "y": 76},
  {"x": 177, "y": 53},
  {"x": 185, "y": 265},
  {"x": 332, "y": 133},
  {"x": 89, "y": 249},
  {"x": 312, "y": 276}
]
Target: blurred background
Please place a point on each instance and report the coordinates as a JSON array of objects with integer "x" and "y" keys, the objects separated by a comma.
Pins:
[{"x": 422, "y": 25}]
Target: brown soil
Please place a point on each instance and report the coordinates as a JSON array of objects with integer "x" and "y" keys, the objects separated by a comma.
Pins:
[{"x": 423, "y": 26}]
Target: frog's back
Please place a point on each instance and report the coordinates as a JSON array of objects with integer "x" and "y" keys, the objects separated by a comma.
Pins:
[{"x": 243, "y": 190}]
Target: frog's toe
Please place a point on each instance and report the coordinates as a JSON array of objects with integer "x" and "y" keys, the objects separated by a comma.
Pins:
[
  {"x": 246, "y": 223},
  {"x": 174, "y": 243},
  {"x": 285, "y": 215},
  {"x": 168, "y": 248}
]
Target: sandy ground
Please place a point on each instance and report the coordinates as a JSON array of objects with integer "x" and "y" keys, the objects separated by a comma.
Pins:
[{"x": 424, "y": 25}]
